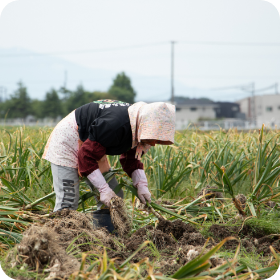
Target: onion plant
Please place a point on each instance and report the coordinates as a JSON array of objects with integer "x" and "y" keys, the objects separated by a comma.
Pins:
[
  {"x": 267, "y": 174},
  {"x": 167, "y": 167}
]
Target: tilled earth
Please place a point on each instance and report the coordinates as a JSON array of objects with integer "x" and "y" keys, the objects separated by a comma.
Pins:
[
  {"x": 250, "y": 238},
  {"x": 54, "y": 243}
]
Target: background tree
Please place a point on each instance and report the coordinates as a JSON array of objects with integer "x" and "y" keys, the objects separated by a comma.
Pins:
[
  {"x": 122, "y": 88},
  {"x": 52, "y": 106},
  {"x": 99, "y": 95},
  {"x": 37, "y": 108},
  {"x": 19, "y": 105},
  {"x": 75, "y": 99},
  {"x": 79, "y": 97},
  {"x": 3, "y": 109}
]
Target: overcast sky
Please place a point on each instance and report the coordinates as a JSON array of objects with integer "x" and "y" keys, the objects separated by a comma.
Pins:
[{"x": 110, "y": 33}]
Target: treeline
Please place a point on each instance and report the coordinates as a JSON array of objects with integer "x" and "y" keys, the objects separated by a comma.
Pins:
[{"x": 60, "y": 102}]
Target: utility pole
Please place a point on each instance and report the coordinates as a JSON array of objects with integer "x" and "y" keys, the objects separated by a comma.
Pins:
[
  {"x": 172, "y": 72},
  {"x": 3, "y": 91},
  {"x": 253, "y": 104}
]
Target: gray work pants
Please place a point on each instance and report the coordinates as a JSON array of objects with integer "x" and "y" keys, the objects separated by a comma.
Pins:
[{"x": 66, "y": 187}]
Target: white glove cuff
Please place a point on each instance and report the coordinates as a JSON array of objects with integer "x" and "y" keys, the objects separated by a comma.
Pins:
[
  {"x": 139, "y": 176},
  {"x": 97, "y": 179}
]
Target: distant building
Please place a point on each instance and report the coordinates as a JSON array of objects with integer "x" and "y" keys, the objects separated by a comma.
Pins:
[
  {"x": 203, "y": 110},
  {"x": 262, "y": 109},
  {"x": 193, "y": 110},
  {"x": 229, "y": 110}
]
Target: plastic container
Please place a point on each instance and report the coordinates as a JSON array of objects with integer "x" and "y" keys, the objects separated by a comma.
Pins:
[{"x": 102, "y": 218}]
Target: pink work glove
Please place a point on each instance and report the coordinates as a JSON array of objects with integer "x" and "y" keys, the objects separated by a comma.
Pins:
[
  {"x": 106, "y": 193},
  {"x": 140, "y": 182}
]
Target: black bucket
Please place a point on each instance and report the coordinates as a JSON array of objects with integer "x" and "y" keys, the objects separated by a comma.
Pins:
[{"x": 102, "y": 218}]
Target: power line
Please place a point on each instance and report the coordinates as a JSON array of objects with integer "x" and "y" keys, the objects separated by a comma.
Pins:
[
  {"x": 89, "y": 51},
  {"x": 260, "y": 44},
  {"x": 230, "y": 87},
  {"x": 255, "y": 44},
  {"x": 263, "y": 89}
]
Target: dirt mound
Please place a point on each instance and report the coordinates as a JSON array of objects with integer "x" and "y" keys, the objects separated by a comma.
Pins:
[
  {"x": 255, "y": 232},
  {"x": 171, "y": 239},
  {"x": 53, "y": 243},
  {"x": 167, "y": 233},
  {"x": 174, "y": 253},
  {"x": 70, "y": 225},
  {"x": 264, "y": 243},
  {"x": 251, "y": 238},
  {"x": 39, "y": 247},
  {"x": 268, "y": 239},
  {"x": 159, "y": 238},
  {"x": 176, "y": 228},
  {"x": 248, "y": 245},
  {"x": 220, "y": 232},
  {"x": 193, "y": 238},
  {"x": 143, "y": 231}
]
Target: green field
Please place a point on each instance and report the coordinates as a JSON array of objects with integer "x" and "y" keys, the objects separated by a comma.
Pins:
[{"x": 192, "y": 243}]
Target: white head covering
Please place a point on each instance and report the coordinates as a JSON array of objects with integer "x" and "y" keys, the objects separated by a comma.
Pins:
[{"x": 151, "y": 121}]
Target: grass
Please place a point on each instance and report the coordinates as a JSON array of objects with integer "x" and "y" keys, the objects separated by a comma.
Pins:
[
  {"x": 253, "y": 260},
  {"x": 269, "y": 224}
]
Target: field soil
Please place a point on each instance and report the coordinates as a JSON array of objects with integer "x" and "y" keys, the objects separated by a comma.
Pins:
[{"x": 55, "y": 242}]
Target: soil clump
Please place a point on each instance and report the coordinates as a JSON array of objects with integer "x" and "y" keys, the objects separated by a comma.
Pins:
[
  {"x": 193, "y": 238},
  {"x": 241, "y": 198},
  {"x": 210, "y": 193},
  {"x": 251, "y": 238},
  {"x": 172, "y": 239},
  {"x": 176, "y": 228},
  {"x": 159, "y": 238}
]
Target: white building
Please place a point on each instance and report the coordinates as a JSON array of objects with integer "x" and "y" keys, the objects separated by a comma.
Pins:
[
  {"x": 262, "y": 109},
  {"x": 193, "y": 112}
]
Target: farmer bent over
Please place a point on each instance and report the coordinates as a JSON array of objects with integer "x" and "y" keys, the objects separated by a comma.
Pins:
[{"x": 80, "y": 142}]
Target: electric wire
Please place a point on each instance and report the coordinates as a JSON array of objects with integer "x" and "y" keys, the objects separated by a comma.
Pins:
[{"x": 268, "y": 44}]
